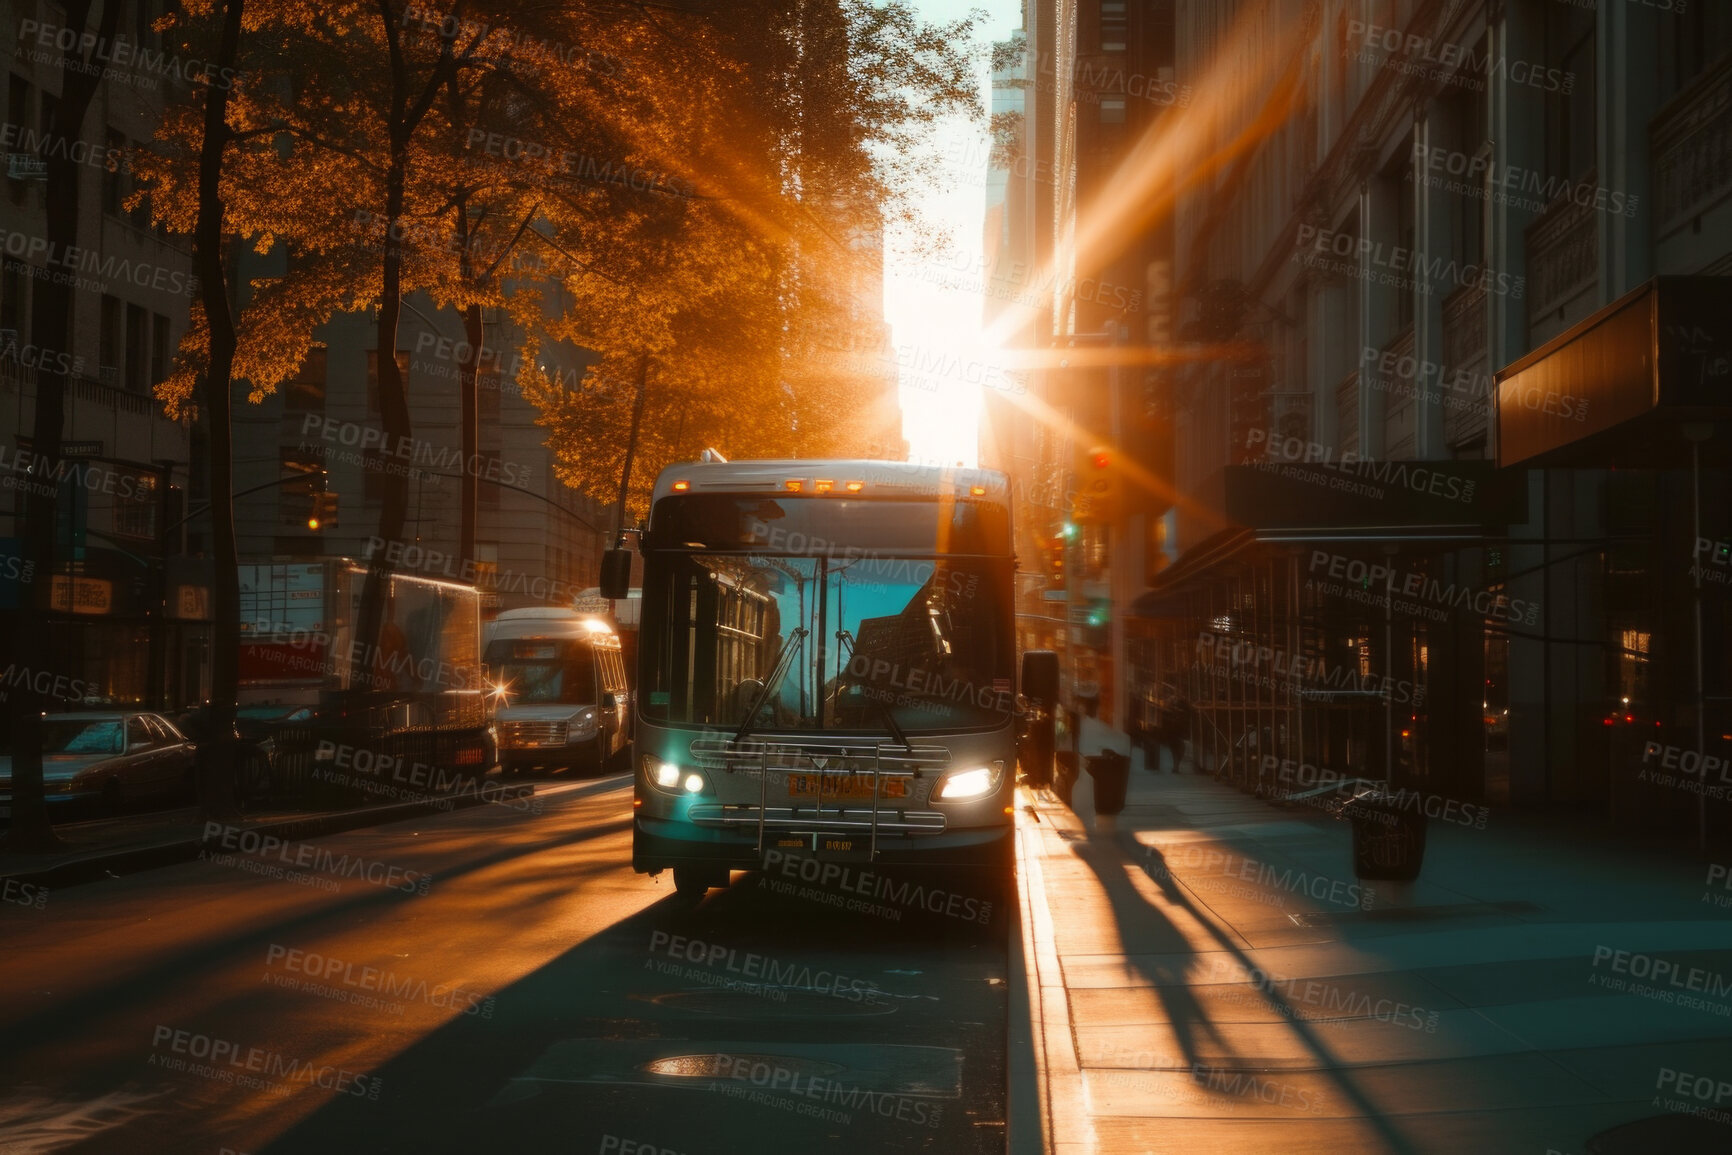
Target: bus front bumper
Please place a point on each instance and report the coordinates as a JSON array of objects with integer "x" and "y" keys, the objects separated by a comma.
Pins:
[{"x": 661, "y": 843}]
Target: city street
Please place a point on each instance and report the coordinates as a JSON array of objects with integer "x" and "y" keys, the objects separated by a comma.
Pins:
[{"x": 538, "y": 996}]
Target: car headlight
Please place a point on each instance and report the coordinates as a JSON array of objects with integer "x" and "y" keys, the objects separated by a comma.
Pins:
[
  {"x": 584, "y": 722},
  {"x": 963, "y": 785}
]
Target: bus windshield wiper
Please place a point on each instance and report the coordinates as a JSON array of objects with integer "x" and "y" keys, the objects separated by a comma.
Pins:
[
  {"x": 784, "y": 661},
  {"x": 890, "y": 721}
]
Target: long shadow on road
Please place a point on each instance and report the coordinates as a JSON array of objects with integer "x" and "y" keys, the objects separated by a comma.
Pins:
[{"x": 752, "y": 1023}]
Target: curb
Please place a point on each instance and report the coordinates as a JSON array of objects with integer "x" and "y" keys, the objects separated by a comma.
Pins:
[{"x": 133, "y": 859}]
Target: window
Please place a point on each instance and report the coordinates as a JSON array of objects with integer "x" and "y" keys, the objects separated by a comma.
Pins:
[
  {"x": 1691, "y": 39},
  {"x": 109, "y": 360},
  {"x": 305, "y": 392},
  {"x": 1112, "y": 110},
  {"x": 137, "y": 737},
  {"x": 137, "y": 344},
  {"x": 1114, "y": 24},
  {"x": 487, "y": 492},
  {"x": 14, "y": 290},
  {"x": 1465, "y": 119},
  {"x": 113, "y": 188},
  {"x": 158, "y": 348},
  {"x": 1570, "y": 115},
  {"x": 373, "y": 376},
  {"x": 135, "y": 507}
]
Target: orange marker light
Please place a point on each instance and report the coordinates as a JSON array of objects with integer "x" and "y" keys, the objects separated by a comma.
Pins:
[
  {"x": 682, "y": 486},
  {"x": 823, "y": 485},
  {"x": 977, "y": 490},
  {"x": 854, "y": 486},
  {"x": 792, "y": 486}
]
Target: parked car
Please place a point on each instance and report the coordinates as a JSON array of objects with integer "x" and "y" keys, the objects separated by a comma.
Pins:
[{"x": 109, "y": 757}]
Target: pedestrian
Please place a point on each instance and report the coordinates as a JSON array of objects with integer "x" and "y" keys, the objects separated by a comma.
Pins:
[{"x": 1176, "y": 729}]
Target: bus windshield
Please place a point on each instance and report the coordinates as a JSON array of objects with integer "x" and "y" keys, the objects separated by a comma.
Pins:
[
  {"x": 918, "y": 637},
  {"x": 543, "y": 672}
]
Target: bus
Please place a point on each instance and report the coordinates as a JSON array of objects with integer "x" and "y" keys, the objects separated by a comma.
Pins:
[{"x": 826, "y": 669}]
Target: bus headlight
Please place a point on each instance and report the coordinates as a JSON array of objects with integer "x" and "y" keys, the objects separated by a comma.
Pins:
[
  {"x": 583, "y": 726},
  {"x": 665, "y": 775},
  {"x": 694, "y": 782},
  {"x": 962, "y": 785}
]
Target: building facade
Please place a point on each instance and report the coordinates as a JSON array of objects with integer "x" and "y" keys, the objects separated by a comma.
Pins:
[{"x": 1402, "y": 206}]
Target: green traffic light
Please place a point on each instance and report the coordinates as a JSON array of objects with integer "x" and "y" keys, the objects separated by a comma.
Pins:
[{"x": 1069, "y": 529}]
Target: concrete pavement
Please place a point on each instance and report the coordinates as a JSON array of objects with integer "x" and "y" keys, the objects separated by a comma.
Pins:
[{"x": 1204, "y": 972}]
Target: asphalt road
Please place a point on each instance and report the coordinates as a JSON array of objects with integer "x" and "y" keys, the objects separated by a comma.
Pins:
[{"x": 492, "y": 980}]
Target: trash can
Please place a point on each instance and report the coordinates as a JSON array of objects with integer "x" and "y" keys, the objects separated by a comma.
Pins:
[
  {"x": 1388, "y": 842},
  {"x": 1112, "y": 774},
  {"x": 1064, "y": 774}
]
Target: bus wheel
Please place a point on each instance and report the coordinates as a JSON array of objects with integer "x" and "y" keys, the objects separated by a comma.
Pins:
[{"x": 692, "y": 881}]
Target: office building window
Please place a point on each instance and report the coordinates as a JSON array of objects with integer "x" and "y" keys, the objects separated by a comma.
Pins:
[
  {"x": 373, "y": 376},
  {"x": 158, "y": 348},
  {"x": 135, "y": 506},
  {"x": 14, "y": 288},
  {"x": 487, "y": 492},
  {"x": 1570, "y": 116},
  {"x": 137, "y": 350},
  {"x": 108, "y": 359},
  {"x": 305, "y": 393},
  {"x": 1114, "y": 24},
  {"x": 1691, "y": 39},
  {"x": 113, "y": 181}
]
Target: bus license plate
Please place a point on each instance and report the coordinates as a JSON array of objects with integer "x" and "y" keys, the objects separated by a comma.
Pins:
[
  {"x": 844, "y": 786},
  {"x": 784, "y": 852}
]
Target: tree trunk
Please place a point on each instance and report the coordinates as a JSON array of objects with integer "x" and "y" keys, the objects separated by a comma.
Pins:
[
  {"x": 470, "y": 415},
  {"x": 30, "y": 830},
  {"x": 217, "y": 757},
  {"x": 631, "y": 448}
]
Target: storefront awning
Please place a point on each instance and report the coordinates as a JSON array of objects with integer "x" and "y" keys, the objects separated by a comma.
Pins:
[{"x": 1618, "y": 388}]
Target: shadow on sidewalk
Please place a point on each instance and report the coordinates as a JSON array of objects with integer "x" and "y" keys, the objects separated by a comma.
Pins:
[{"x": 1106, "y": 854}]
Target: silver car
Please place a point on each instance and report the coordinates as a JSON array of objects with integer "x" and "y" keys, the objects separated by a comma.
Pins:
[{"x": 110, "y": 757}]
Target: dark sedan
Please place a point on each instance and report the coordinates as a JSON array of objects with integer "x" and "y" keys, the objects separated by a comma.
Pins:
[{"x": 110, "y": 757}]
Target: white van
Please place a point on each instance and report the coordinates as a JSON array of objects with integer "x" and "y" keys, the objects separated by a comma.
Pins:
[{"x": 560, "y": 690}]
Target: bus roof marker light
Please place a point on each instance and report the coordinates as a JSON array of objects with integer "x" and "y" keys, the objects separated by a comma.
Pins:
[
  {"x": 854, "y": 486},
  {"x": 977, "y": 490},
  {"x": 793, "y": 486},
  {"x": 682, "y": 486},
  {"x": 823, "y": 485}
]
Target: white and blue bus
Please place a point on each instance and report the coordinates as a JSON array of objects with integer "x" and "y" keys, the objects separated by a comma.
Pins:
[{"x": 826, "y": 669}]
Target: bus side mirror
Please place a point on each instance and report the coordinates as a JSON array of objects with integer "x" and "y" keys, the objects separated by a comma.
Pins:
[
  {"x": 1040, "y": 676},
  {"x": 615, "y": 574}
]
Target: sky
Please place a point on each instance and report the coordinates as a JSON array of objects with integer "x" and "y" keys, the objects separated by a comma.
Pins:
[{"x": 936, "y": 321}]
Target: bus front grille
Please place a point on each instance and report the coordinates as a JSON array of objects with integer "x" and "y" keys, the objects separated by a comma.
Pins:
[
  {"x": 807, "y": 818},
  {"x": 531, "y": 735}
]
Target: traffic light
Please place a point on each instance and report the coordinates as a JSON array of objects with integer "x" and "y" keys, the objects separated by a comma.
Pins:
[
  {"x": 1055, "y": 562},
  {"x": 322, "y": 514},
  {"x": 1098, "y": 485}
]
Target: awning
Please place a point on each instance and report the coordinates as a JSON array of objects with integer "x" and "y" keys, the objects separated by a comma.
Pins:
[{"x": 1618, "y": 388}]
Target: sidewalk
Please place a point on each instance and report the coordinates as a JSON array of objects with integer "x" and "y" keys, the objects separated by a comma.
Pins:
[
  {"x": 108, "y": 847},
  {"x": 1204, "y": 973}
]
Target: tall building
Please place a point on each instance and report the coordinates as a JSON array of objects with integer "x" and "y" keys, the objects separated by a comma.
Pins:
[
  {"x": 1087, "y": 446},
  {"x": 130, "y": 622},
  {"x": 1436, "y": 520}
]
